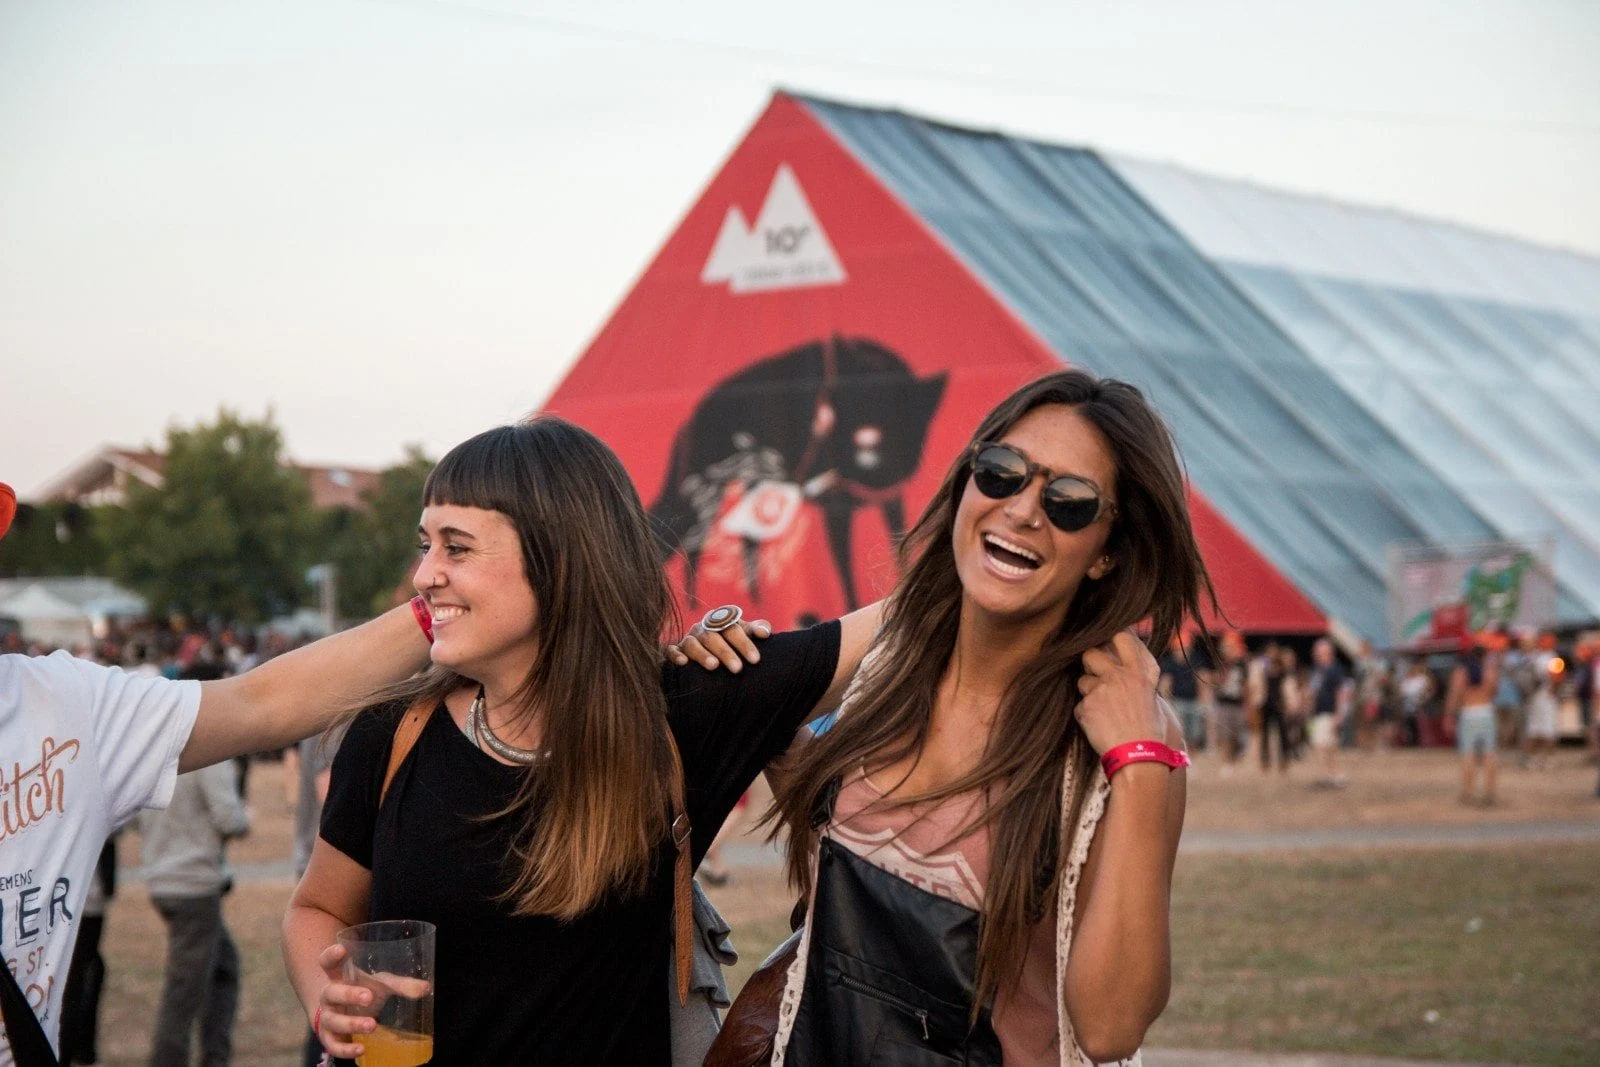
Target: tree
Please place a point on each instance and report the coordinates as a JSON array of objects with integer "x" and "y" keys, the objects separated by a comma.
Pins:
[
  {"x": 226, "y": 535},
  {"x": 55, "y": 538},
  {"x": 375, "y": 551}
]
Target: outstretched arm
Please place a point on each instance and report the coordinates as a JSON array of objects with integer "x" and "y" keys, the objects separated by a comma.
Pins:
[{"x": 302, "y": 692}]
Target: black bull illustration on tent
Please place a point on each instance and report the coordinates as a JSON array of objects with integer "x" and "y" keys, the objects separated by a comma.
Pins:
[{"x": 840, "y": 422}]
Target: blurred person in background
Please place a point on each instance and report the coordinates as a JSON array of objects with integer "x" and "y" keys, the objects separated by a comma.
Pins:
[
  {"x": 1231, "y": 688},
  {"x": 1587, "y": 658},
  {"x": 1329, "y": 695},
  {"x": 1265, "y": 701},
  {"x": 187, "y": 876},
  {"x": 227, "y": 649},
  {"x": 1183, "y": 684},
  {"x": 1294, "y": 700},
  {"x": 1544, "y": 711},
  {"x": 1469, "y": 702},
  {"x": 138, "y": 660},
  {"x": 1377, "y": 702},
  {"x": 86, "y": 978},
  {"x": 1415, "y": 691},
  {"x": 312, "y": 765},
  {"x": 1510, "y": 707},
  {"x": 1519, "y": 673}
]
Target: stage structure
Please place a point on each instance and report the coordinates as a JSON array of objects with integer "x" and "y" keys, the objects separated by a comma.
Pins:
[{"x": 795, "y": 370}]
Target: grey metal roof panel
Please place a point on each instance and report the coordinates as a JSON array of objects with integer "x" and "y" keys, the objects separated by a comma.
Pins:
[
  {"x": 1310, "y": 475},
  {"x": 1474, "y": 349}
]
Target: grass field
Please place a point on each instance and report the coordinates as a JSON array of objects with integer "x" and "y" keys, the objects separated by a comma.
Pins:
[
  {"x": 1350, "y": 950},
  {"x": 1337, "y": 950},
  {"x": 1357, "y": 951}
]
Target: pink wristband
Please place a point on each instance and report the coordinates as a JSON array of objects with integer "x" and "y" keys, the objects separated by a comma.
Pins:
[
  {"x": 419, "y": 608},
  {"x": 1120, "y": 756}
]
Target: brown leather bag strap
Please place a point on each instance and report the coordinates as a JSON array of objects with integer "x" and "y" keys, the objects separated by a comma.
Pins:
[
  {"x": 682, "y": 879},
  {"x": 405, "y": 739}
]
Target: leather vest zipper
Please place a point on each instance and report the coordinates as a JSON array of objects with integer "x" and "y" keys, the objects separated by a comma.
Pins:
[
  {"x": 884, "y": 996},
  {"x": 922, "y": 946}
]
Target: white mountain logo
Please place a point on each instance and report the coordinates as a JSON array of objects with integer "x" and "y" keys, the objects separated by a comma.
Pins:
[{"x": 785, "y": 249}]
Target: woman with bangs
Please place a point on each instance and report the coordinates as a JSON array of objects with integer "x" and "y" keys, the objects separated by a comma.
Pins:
[
  {"x": 978, "y": 889},
  {"x": 532, "y": 820}
]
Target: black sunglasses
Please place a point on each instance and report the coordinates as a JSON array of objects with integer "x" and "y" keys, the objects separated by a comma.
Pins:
[{"x": 1069, "y": 502}]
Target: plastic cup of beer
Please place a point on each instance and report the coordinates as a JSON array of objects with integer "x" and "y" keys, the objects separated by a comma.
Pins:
[{"x": 394, "y": 961}]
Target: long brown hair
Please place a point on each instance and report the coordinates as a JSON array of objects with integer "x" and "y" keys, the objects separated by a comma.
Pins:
[
  {"x": 1158, "y": 576},
  {"x": 595, "y": 811}
]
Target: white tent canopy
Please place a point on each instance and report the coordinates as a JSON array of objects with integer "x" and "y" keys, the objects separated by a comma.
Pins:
[{"x": 48, "y": 618}]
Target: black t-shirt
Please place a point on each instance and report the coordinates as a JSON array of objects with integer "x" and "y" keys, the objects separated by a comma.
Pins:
[
  {"x": 1325, "y": 684},
  {"x": 1272, "y": 697},
  {"x": 1183, "y": 670},
  {"x": 533, "y": 990}
]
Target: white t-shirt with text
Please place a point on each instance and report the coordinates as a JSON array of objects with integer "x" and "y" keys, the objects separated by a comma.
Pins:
[{"x": 82, "y": 749}]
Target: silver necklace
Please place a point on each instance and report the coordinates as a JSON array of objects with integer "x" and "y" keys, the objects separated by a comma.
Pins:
[{"x": 482, "y": 735}]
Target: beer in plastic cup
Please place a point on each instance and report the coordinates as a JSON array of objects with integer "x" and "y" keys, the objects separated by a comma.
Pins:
[{"x": 394, "y": 961}]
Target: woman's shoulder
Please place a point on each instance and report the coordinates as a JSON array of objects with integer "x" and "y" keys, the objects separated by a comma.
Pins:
[
  {"x": 788, "y": 659},
  {"x": 374, "y": 725}
]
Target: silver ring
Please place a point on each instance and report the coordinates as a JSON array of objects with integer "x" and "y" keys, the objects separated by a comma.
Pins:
[{"x": 720, "y": 619}]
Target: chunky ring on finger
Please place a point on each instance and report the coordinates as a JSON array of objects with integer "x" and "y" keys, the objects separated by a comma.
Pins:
[{"x": 720, "y": 619}]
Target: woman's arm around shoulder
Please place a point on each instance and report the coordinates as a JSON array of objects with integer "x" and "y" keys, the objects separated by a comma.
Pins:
[{"x": 731, "y": 649}]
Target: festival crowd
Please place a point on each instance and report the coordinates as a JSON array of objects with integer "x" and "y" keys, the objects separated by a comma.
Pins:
[{"x": 1264, "y": 697}]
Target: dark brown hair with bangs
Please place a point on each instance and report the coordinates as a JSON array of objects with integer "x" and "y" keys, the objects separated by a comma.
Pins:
[
  {"x": 595, "y": 812},
  {"x": 1158, "y": 577}
]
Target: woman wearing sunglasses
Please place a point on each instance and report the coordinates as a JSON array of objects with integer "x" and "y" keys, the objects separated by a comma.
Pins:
[{"x": 986, "y": 835}]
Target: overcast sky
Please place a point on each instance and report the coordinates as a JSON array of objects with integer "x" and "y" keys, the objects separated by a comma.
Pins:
[{"x": 401, "y": 220}]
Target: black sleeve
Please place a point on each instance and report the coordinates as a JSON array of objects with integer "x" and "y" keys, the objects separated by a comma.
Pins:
[
  {"x": 730, "y": 726},
  {"x": 350, "y": 813}
]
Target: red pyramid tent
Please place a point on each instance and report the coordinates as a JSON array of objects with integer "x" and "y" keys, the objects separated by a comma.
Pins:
[{"x": 793, "y": 373}]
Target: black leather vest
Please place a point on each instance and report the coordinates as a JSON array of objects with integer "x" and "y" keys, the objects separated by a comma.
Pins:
[{"x": 889, "y": 974}]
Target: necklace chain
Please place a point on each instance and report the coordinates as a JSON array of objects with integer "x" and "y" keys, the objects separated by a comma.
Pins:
[{"x": 483, "y": 735}]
